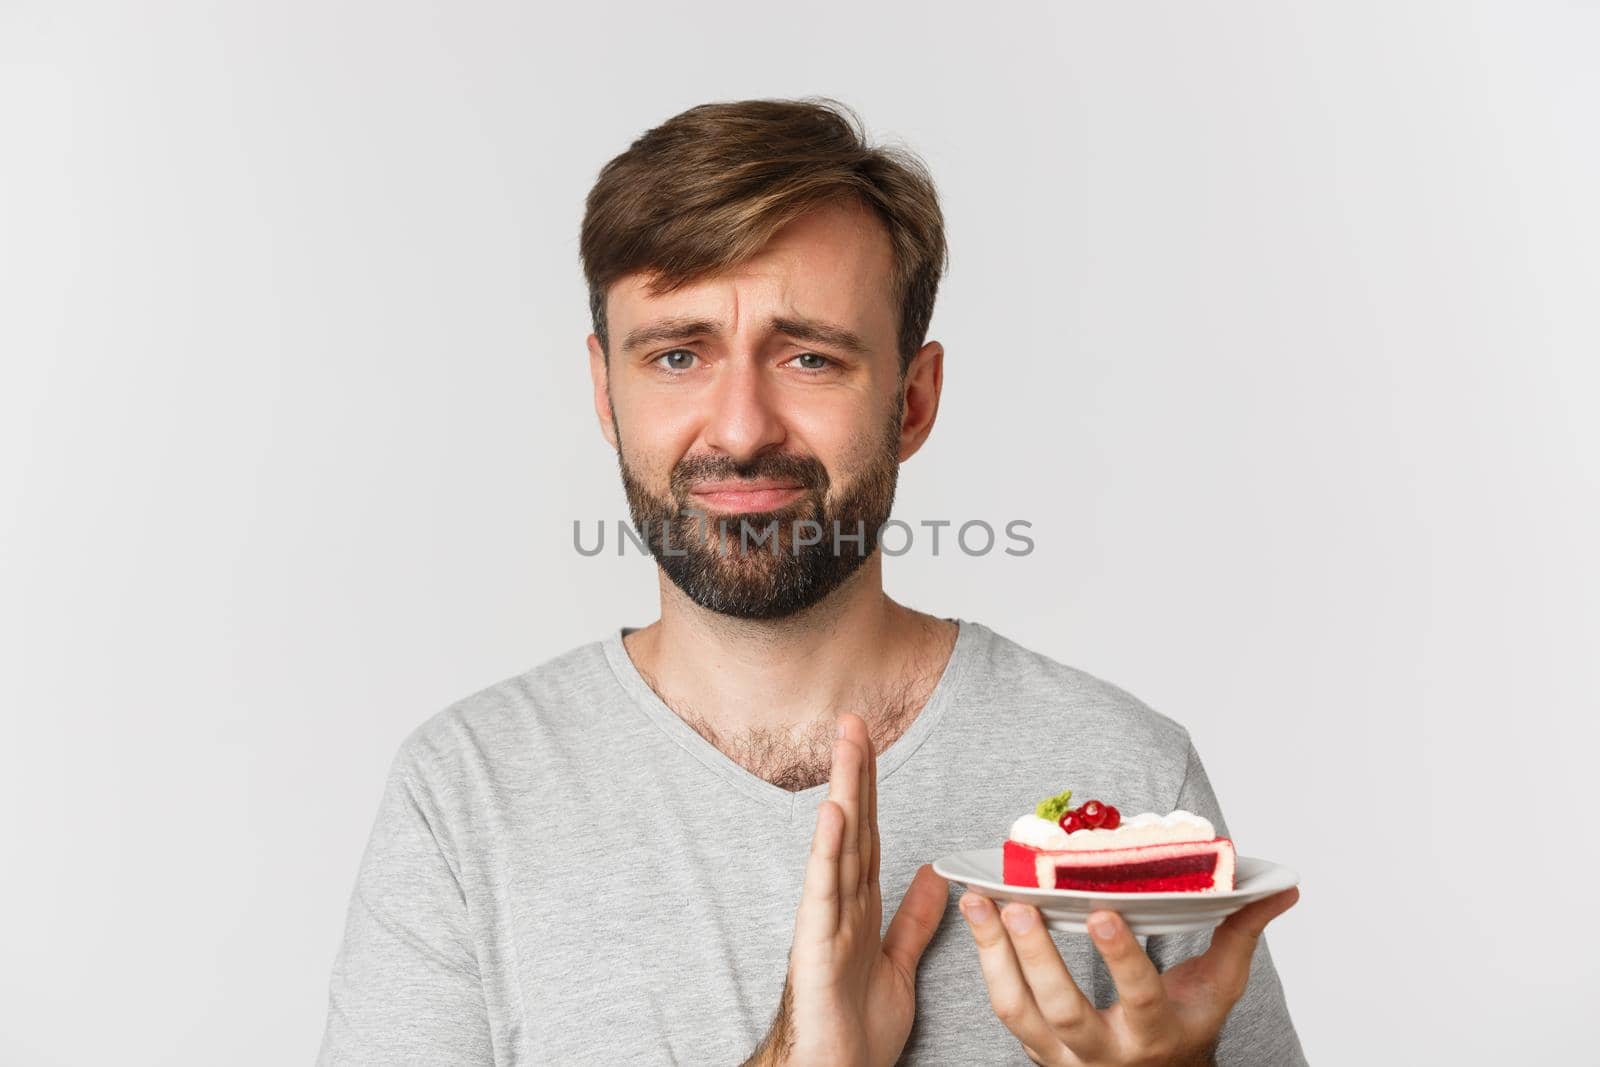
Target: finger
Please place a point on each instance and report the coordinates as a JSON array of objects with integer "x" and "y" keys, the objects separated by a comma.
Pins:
[
  {"x": 844, "y": 789},
  {"x": 1234, "y": 942},
  {"x": 917, "y": 919},
  {"x": 1139, "y": 986},
  {"x": 1061, "y": 1003},
  {"x": 819, "y": 897},
  {"x": 1009, "y": 994},
  {"x": 869, "y": 816}
]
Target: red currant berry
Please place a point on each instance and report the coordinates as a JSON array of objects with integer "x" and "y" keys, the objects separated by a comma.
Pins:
[
  {"x": 1070, "y": 822},
  {"x": 1113, "y": 818},
  {"x": 1093, "y": 814}
]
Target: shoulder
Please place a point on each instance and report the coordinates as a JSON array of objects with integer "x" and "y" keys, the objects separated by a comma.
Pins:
[
  {"x": 1042, "y": 686},
  {"x": 486, "y": 731},
  {"x": 1101, "y": 729}
]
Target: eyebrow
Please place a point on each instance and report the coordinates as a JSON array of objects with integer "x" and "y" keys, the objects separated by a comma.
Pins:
[{"x": 801, "y": 329}]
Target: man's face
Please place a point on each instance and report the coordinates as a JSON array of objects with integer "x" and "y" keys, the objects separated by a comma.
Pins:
[{"x": 744, "y": 405}]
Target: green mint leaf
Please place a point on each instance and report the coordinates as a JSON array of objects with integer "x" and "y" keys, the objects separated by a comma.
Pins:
[{"x": 1054, "y": 807}]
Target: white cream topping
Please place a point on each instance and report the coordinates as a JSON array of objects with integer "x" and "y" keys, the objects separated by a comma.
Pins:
[{"x": 1146, "y": 829}]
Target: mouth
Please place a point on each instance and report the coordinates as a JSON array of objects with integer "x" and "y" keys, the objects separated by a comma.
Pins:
[{"x": 746, "y": 496}]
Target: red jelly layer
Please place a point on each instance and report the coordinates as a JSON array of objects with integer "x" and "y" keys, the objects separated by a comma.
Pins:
[
  {"x": 1182, "y": 867},
  {"x": 1157, "y": 876}
]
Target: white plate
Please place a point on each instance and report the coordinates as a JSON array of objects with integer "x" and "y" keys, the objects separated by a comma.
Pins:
[{"x": 1145, "y": 913}]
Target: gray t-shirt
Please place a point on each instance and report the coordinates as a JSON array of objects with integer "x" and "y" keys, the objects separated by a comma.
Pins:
[{"x": 563, "y": 871}]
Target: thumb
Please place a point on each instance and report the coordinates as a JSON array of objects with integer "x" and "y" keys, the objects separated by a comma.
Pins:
[
  {"x": 920, "y": 912},
  {"x": 1234, "y": 942}
]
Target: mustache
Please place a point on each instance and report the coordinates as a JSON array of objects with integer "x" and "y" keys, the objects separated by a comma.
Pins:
[{"x": 805, "y": 471}]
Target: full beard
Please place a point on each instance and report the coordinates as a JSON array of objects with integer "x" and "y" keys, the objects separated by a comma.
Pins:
[{"x": 766, "y": 564}]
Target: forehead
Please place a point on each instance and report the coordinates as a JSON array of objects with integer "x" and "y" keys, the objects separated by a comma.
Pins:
[{"x": 833, "y": 263}]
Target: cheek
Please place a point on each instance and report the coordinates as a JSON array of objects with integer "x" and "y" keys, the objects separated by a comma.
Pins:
[
  {"x": 653, "y": 438},
  {"x": 862, "y": 454},
  {"x": 647, "y": 466},
  {"x": 834, "y": 429}
]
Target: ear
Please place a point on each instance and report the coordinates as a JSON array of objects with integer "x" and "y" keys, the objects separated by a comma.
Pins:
[
  {"x": 923, "y": 380},
  {"x": 599, "y": 373}
]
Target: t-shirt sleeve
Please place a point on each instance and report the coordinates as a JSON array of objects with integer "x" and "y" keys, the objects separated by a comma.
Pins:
[
  {"x": 1258, "y": 1031},
  {"x": 405, "y": 986}
]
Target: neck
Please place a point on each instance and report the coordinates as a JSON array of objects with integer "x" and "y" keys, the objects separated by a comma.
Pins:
[{"x": 786, "y": 679}]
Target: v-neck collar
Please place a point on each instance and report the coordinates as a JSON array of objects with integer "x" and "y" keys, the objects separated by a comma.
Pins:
[{"x": 968, "y": 634}]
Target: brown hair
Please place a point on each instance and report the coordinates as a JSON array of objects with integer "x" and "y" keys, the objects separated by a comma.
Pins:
[{"x": 705, "y": 190}]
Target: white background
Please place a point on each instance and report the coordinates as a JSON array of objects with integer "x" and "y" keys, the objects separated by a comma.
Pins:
[{"x": 1278, "y": 321}]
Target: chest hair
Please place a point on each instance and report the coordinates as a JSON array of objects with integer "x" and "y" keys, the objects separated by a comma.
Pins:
[{"x": 796, "y": 758}]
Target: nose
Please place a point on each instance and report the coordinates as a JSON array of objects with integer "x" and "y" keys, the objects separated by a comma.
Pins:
[{"x": 744, "y": 420}]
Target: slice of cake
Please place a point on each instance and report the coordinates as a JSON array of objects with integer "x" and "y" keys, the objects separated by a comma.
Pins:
[{"x": 1091, "y": 847}]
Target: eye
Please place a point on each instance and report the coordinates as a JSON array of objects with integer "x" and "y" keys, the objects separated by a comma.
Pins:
[
  {"x": 672, "y": 364},
  {"x": 821, "y": 362}
]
